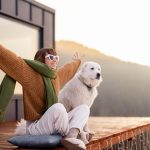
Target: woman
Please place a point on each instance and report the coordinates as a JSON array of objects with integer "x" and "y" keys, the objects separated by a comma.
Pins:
[{"x": 46, "y": 116}]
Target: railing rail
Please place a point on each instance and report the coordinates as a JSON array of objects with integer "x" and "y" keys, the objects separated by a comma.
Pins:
[
  {"x": 133, "y": 139},
  {"x": 14, "y": 110}
]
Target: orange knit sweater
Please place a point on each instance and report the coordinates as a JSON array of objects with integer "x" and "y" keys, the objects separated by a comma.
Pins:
[{"x": 32, "y": 82}]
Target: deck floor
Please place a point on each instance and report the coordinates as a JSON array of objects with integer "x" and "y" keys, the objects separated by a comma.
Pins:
[{"x": 104, "y": 127}]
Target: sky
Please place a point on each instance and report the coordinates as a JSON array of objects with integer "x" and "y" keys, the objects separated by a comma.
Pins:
[{"x": 119, "y": 28}]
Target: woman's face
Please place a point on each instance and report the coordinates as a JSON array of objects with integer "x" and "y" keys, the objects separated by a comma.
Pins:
[{"x": 51, "y": 60}]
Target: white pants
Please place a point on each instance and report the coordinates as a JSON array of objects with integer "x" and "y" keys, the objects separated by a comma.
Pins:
[{"x": 57, "y": 120}]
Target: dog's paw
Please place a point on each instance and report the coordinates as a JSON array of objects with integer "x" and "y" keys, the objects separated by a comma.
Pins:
[
  {"x": 90, "y": 135},
  {"x": 84, "y": 137}
]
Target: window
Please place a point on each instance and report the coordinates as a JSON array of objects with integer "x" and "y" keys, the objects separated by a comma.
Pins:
[{"x": 21, "y": 38}]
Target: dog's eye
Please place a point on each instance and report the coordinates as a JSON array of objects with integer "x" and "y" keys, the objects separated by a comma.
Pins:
[{"x": 92, "y": 68}]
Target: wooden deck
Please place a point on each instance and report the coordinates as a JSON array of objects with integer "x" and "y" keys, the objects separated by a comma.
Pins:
[{"x": 109, "y": 131}]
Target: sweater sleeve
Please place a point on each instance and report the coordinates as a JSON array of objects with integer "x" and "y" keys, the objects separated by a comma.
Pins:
[
  {"x": 66, "y": 72},
  {"x": 11, "y": 64}
]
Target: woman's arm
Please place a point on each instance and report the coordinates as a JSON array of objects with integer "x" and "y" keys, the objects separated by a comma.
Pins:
[
  {"x": 68, "y": 71},
  {"x": 11, "y": 64}
]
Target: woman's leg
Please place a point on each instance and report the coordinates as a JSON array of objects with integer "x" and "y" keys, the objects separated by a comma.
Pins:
[
  {"x": 78, "y": 117},
  {"x": 54, "y": 120}
]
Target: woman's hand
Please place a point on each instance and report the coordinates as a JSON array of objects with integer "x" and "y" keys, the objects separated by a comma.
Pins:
[{"x": 77, "y": 56}]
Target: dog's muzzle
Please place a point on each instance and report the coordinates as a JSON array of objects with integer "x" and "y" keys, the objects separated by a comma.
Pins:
[{"x": 98, "y": 76}]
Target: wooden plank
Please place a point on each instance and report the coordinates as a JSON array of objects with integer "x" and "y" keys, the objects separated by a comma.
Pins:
[{"x": 106, "y": 128}]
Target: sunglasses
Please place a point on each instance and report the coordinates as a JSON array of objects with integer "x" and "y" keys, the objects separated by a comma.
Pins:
[{"x": 52, "y": 57}]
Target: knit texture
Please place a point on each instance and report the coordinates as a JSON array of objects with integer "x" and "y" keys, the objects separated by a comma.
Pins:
[
  {"x": 8, "y": 85},
  {"x": 32, "y": 82}
]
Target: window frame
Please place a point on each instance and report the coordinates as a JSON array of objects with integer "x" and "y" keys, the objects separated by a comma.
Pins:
[{"x": 32, "y": 13}]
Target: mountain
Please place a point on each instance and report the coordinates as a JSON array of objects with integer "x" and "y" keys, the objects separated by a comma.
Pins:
[{"x": 125, "y": 90}]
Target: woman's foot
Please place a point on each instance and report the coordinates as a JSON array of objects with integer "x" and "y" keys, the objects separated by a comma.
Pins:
[{"x": 73, "y": 144}]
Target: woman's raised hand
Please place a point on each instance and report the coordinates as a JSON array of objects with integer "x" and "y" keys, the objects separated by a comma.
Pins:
[{"x": 77, "y": 56}]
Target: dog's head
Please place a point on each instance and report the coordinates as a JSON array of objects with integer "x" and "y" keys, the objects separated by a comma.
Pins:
[{"x": 90, "y": 74}]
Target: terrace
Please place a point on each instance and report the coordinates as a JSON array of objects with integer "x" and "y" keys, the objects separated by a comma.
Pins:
[{"x": 113, "y": 133}]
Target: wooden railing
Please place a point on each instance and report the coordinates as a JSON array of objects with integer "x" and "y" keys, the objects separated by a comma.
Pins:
[{"x": 14, "y": 110}]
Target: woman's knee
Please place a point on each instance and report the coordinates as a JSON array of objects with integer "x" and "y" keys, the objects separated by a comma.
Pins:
[
  {"x": 84, "y": 108},
  {"x": 59, "y": 108}
]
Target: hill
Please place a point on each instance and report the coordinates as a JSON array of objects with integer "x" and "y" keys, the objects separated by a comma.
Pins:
[{"x": 125, "y": 88}]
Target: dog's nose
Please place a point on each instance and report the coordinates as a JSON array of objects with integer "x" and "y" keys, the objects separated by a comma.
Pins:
[{"x": 98, "y": 76}]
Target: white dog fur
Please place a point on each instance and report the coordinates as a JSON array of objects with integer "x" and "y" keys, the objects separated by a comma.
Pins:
[{"x": 82, "y": 89}]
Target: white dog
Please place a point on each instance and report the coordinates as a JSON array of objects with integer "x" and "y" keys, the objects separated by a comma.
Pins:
[{"x": 82, "y": 89}]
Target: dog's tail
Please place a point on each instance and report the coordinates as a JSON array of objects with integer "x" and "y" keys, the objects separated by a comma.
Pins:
[{"x": 21, "y": 128}]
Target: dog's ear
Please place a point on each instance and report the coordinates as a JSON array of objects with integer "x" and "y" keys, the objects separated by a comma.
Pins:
[
  {"x": 83, "y": 67},
  {"x": 82, "y": 70}
]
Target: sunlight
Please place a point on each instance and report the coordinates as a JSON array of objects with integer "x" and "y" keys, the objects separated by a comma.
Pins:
[{"x": 117, "y": 28}]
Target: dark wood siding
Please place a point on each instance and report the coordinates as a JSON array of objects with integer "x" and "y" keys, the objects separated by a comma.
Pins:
[
  {"x": 37, "y": 15},
  {"x": 48, "y": 22},
  {"x": 9, "y": 6},
  {"x": 23, "y": 10}
]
